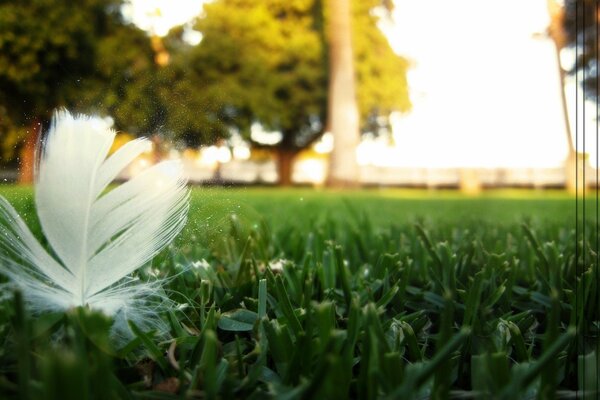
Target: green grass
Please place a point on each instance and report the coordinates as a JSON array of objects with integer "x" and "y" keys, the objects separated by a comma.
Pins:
[{"x": 383, "y": 294}]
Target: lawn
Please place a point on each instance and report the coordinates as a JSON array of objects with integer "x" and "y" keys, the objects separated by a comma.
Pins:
[{"x": 303, "y": 293}]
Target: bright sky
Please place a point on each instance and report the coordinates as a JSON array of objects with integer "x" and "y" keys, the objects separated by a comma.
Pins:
[
  {"x": 158, "y": 16},
  {"x": 484, "y": 84}
]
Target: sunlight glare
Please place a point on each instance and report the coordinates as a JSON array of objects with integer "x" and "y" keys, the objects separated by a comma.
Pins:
[
  {"x": 483, "y": 95},
  {"x": 159, "y": 16}
]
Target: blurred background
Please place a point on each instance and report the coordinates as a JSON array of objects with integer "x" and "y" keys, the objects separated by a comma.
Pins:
[{"x": 467, "y": 94}]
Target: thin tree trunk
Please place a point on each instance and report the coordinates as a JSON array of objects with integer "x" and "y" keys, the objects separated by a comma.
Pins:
[
  {"x": 342, "y": 112},
  {"x": 27, "y": 153}
]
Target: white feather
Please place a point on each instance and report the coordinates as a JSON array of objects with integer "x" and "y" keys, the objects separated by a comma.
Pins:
[{"x": 98, "y": 236}]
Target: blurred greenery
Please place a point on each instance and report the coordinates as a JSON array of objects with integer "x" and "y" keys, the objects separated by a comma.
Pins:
[
  {"x": 260, "y": 62},
  {"x": 266, "y": 62},
  {"x": 85, "y": 58},
  {"x": 376, "y": 294}
]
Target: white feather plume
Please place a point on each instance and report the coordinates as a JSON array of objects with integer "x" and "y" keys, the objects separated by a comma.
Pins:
[{"x": 98, "y": 236}]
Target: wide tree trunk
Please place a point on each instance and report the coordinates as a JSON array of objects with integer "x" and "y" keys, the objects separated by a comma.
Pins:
[
  {"x": 27, "y": 153},
  {"x": 285, "y": 164},
  {"x": 342, "y": 111}
]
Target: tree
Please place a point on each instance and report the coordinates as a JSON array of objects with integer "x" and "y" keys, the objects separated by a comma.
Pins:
[
  {"x": 266, "y": 62},
  {"x": 258, "y": 62},
  {"x": 55, "y": 55}
]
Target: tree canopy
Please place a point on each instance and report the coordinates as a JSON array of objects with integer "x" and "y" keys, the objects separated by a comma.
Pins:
[
  {"x": 258, "y": 62},
  {"x": 85, "y": 58},
  {"x": 266, "y": 62}
]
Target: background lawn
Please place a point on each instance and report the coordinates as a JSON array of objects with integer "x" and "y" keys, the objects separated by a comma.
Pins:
[
  {"x": 299, "y": 293},
  {"x": 302, "y": 208},
  {"x": 400, "y": 205}
]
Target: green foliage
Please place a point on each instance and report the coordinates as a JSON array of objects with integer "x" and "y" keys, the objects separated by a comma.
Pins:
[
  {"x": 258, "y": 62},
  {"x": 339, "y": 305},
  {"x": 381, "y": 74},
  {"x": 12, "y": 136},
  {"x": 45, "y": 51},
  {"x": 85, "y": 58},
  {"x": 125, "y": 84},
  {"x": 267, "y": 62}
]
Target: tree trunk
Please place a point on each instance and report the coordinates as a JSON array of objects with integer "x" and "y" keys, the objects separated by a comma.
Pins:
[
  {"x": 342, "y": 110},
  {"x": 27, "y": 153},
  {"x": 285, "y": 163}
]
